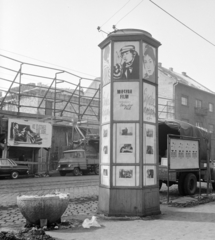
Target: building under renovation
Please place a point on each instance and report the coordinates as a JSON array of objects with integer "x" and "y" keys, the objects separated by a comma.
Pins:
[{"x": 44, "y": 111}]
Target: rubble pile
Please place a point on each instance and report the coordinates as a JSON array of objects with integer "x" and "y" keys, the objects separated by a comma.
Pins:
[
  {"x": 26, "y": 234},
  {"x": 35, "y": 232}
]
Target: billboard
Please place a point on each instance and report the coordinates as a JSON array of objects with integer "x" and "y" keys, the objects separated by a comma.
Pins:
[{"x": 25, "y": 133}]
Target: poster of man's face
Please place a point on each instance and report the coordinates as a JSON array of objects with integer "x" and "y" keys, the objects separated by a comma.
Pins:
[{"x": 126, "y": 60}]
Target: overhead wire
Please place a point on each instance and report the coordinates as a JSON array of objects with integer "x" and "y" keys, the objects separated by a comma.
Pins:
[
  {"x": 183, "y": 23},
  {"x": 116, "y": 13},
  {"x": 129, "y": 12}
]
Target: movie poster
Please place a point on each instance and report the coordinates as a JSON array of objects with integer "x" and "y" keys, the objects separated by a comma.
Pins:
[
  {"x": 126, "y": 144},
  {"x": 126, "y": 61},
  {"x": 125, "y": 176},
  {"x": 106, "y": 63},
  {"x": 149, "y": 175},
  {"x": 26, "y": 133},
  {"x": 106, "y": 104},
  {"x": 149, "y": 103},
  {"x": 149, "y": 62},
  {"x": 105, "y": 145},
  {"x": 105, "y": 175},
  {"x": 126, "y": 101},
  {"x": 149, "y": 144}
]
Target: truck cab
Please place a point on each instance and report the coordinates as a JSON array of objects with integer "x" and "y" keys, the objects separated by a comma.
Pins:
[{"x": 76, "y": 162}]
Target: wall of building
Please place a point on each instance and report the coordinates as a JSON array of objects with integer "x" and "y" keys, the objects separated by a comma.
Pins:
[
  {"x": 165, "y": 96},
  {"x": 188, "y": 112}
]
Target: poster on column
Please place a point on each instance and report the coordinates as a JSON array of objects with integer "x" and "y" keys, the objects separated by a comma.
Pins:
[
  {"x": 105, "y": 175},
  {"x": 126, "y": 60},
  {"x": 106, "y": 63},
  {"x": 106, "y": 104},
  {"x": 149, "y": 62},
  {"x": 149, "y": 103},
  {"x": 149, "y": 175},
  {"x": 149, "y": 144},
  {"x": 125, "y": 176},
  {"x": 126, "y": 101},
  {"x": 105, "y": 146},
  {"x": 126, "y": 149}
]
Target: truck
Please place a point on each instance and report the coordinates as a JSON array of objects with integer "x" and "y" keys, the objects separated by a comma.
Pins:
[
  {"x": 83, "y": 158},
  {"x": 187, "y": 178},
  {"x": 78, "y": 162}
]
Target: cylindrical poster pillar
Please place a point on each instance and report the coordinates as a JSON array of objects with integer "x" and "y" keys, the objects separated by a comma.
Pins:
[{"x": 129, "y": 119}]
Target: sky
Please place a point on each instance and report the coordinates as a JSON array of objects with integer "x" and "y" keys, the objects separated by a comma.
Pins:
[{"x": 63, "y": 33}]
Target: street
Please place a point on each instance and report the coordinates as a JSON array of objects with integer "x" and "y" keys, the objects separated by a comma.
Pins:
[
  {"x": 10, "y": 189},
  {"x": 74, "y": 185},
  {"x": 83, "y": 204}
]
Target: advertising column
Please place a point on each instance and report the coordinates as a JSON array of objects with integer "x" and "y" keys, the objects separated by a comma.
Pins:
[{"x": 128, "y": 148}]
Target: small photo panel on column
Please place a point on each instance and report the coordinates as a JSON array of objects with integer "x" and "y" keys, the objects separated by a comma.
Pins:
[
  {"x": 106, "y": 63},
  {"x": 149, "y": 175},
  {"x": 105, "y": 175},
  {"x": 149, "y": 103},
  {"x": 126, "y": 143},
  {"x": 126, "y": 60},
  {"x": 149, "y": 62},
  {"x": 149, "y": 144},
  {"x": 106, "y": 104},
  {"x": 105, "y": 146},
  {"x": 126, "y": 176},
  {"x": 126, "y": 101}
]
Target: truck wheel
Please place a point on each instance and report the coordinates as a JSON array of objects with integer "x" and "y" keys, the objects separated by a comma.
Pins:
[
  {"x": 62, "y": 173},
  {"x": 76, "y": 171},
  {"x": 97, "y": 170},
  {"x": 181, "y": 184},
  {"x": 14, "y": 175},
  {"x": 160, "y": 184},
  {"x": 190, "y": 184}
]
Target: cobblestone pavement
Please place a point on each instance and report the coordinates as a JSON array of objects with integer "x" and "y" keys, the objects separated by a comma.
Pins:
[{"x": 83, "y": 201}]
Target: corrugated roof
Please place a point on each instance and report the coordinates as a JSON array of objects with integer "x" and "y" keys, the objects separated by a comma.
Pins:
[{"x": 184, "y": 79}]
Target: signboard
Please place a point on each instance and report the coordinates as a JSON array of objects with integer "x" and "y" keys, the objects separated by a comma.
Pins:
[
  {"x": 106, "y": 104},
  {"x": 106, "y": 63},
  {"x": 105, "y": 144},
  {"x": 184, "y": 154},
  {"x": 149, "y": 144},
  {"x": 149, "y": 103},
  {"x": 24, "y": 133},
  {"x": 149, "y": 62},
  {"x": 125, "y": 143},
  {"x": 126, "y": 176},
  {"x": 126, "y": 101}
]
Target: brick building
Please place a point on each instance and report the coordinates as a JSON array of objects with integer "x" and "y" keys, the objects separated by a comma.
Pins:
[{"x": 181, "y": 97}]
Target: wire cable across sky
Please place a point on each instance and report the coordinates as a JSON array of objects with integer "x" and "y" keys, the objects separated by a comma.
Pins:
[{"x": 183, "y": 23}]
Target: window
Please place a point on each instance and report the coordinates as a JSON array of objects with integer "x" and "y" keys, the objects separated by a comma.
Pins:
[
  {"x": 184, "y": 101},
  {"x": 211, "y": 107},
  {"x": 211, "y": 128},
  {"x": 198, "y": 103},
  {"x": 5, "y": 162}
]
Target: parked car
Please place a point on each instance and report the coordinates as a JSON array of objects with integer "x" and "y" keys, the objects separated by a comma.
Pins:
[{"x": 8, "y": 168}]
